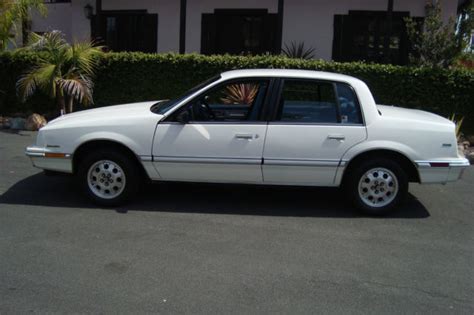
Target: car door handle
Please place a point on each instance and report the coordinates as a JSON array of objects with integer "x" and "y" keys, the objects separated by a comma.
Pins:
[
  {"x": 245, "y": 136},
  {"x": 336, "y": 137}
]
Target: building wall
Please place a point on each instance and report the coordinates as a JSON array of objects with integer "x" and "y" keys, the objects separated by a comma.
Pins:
[
  {"x": 168, "y": 18},
  {"x": 58, "y": 18},
  {"x": 310, "y": 21},
  {"x": 70, "y": 18},
  {"x": 196, "y": 8}
]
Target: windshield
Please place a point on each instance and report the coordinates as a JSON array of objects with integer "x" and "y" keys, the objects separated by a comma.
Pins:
[{"x": 163, "y": 106}]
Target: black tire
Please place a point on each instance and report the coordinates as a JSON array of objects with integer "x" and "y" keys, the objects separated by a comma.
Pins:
[
  {"x": 131, "y": 174},
  {"x": 356, "y": 174}
]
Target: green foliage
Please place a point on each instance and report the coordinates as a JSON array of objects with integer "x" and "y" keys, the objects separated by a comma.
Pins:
[
  {"x": 297, "y": 50},
  {"x": 435, "y": 44},
  {"x": 14, "y": 13},
  {"x": 465, "y": 25},
  {"x": 63, "y": 71},
  {"x": 133, "y": 77},
  {"x": 458, "y": 123}
]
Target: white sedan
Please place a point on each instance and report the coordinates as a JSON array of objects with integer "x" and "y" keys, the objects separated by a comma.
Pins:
[{"x": 270, "y": 127}]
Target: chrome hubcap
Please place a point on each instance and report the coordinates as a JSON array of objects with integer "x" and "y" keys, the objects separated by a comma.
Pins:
[
  {"x": 106, "y": 179},
  {"x": 378, "y": 187}
]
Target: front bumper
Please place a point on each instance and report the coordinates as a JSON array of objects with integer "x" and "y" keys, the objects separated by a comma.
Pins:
[
  {"x": 441, "y": 171},
  {"x": 50, "y": 159}
]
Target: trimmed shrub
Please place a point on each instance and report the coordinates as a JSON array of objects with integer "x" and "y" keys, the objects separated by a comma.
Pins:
[{"x": 132, "y": 77}]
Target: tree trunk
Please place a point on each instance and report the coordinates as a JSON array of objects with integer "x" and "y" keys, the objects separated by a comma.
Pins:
[
  {"x": 70, "y": 104},
  {"x": 60, "y": 100}
]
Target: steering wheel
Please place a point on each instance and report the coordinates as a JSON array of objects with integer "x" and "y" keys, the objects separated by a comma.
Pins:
[{"x": 204, "y": 105}]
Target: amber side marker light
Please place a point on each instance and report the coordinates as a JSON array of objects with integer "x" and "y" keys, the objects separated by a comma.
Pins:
[{"x": 55, "y": 155}]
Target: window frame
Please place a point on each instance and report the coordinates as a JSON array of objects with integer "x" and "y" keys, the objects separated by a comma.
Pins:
[
  {"x": 277, "y": 104},
  {"x": 171, "y": 119}
]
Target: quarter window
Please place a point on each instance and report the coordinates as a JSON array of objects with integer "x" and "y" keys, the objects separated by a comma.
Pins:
[{"x": 349, "y": 105}]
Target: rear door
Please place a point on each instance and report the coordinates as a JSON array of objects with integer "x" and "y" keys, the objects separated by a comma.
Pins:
[{"x": 314, "y": 124}]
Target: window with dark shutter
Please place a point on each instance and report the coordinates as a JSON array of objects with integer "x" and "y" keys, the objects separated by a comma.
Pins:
[
  {"x": 239, "y": 32},
  {"x": 127, "y": 31}
]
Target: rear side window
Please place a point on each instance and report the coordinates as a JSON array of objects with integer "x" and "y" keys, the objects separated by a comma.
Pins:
[
  {"x": 308, "y": 102},
  {"x": 349, "y": 105}
]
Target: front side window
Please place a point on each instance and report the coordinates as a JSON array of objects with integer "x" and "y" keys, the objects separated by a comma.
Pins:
[
  {"x": 308, "y": 102},
  {"x": 229, "y": 102}
]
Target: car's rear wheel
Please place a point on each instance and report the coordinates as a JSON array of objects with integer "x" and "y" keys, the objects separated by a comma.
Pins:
[
  {"x": 109, "y": 178},
  {"x": 377, "y": 186}
]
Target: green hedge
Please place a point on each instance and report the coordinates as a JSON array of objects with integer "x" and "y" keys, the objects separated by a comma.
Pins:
[{"x": 132, "y": 77}]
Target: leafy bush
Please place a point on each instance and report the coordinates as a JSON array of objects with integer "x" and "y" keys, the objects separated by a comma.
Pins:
[{"x": 133, "y": 77}]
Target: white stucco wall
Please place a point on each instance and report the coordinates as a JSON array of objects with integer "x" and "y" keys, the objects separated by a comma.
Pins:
[
  {"x": 58, "y": 18},
  {"x": 310, "y": 21}
]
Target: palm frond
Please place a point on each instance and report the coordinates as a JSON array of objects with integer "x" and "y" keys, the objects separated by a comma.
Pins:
[
  {"x": 78, "y": 87},
  {"x": 458, "y": 125},
  {"x": 21, "y": 8},
  {"x": 26, "y": 86},
  {"x": 240, "y": 93},
  {"x": 83, "y": 56},
  {"x": 51, "y": 42},
  {"x": 41, "y": 77},
  {"x": 298, "y": 50}
]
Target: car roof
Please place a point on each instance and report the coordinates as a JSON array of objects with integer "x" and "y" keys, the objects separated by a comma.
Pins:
[{"x": 288, "y": 73}]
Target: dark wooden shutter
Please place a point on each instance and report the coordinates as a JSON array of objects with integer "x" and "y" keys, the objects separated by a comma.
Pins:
[
  {"x": 270, "y": 33},
  {"x": 98, "y": 34},
  {"x": 151, "y": 31},
  {"x": 338, "y": 39},
  {"x": 208, "y": 33}
]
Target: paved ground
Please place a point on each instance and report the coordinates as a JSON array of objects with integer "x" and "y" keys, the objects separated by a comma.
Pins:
[{"x": 187, "y": 248}]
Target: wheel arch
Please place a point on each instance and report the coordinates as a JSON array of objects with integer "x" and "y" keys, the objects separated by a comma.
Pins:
[
  {"x": 81, "y": 151},
  {"x": 403, "y": 160}
]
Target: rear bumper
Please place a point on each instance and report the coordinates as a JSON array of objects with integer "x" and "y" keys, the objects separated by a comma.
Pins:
[
  {"x": 49, "y": 159},
  {"x": 441, "y": 171}
]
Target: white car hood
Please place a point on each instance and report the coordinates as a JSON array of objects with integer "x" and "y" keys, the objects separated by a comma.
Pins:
[
  {"x": 416, "y": 115},
  {"x": 106, "y": 113}
]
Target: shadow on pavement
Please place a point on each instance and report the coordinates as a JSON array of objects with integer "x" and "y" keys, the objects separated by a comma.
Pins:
[{"x": 63, "y": 191}]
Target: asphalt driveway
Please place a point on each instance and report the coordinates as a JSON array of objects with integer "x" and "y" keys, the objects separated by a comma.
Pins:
[{"x": 188, "y": 248}]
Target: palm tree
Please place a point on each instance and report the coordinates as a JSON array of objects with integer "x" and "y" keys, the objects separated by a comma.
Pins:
[
  {"x": 14, "y": 13},
  {"x": 64, "y": 71}
]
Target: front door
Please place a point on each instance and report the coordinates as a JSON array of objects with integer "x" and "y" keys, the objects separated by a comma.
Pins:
[
  {"x": 216, "y": 137},
  {"x": 315, "y": 124}
]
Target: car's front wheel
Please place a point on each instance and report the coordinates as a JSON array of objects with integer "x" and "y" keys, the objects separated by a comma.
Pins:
[
  {"x": 377, "y": 186},
  {"x": 109, "y": 178}
]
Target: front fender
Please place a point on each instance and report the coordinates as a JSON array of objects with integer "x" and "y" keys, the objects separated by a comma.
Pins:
[{"x": 120, "y": 138}]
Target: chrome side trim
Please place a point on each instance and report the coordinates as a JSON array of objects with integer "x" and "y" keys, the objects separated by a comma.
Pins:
[
  {"x": 146, "y": 158},
  {"x": 452, "y": 163},
  {"x": 229, "y": 160},
  {"x": 206, "y": 160},
  {"x": 301, "y": 162}
]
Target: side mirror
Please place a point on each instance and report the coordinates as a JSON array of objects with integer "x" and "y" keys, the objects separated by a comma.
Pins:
[{"x": 183, "y": 117}]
